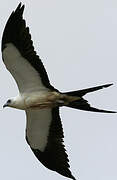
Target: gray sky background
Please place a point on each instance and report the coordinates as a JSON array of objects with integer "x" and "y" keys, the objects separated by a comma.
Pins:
[{"x": 77, "y": 41}]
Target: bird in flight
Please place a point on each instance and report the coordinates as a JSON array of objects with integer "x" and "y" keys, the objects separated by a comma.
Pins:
[{"x": 40, "y": 100}]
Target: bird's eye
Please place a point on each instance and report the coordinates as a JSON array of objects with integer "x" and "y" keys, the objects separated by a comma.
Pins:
[{"x": 9, "y": 101}]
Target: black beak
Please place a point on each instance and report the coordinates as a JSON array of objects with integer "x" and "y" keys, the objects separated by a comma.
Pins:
[{"x": 5, "y": 105}]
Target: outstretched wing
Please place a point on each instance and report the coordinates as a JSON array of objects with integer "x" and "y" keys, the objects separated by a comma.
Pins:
[
  {"x": 19, "y": 55},
  {"x": 44, "y": 134}
]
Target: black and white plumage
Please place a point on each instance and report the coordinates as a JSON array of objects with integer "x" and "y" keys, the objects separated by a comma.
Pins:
[{"x": 39, "y": 99}]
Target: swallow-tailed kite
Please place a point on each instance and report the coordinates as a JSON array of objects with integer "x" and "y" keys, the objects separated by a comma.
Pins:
[{"x": 39, "y": 99}]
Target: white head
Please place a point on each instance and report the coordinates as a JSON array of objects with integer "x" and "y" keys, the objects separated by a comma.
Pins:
[{"x": 16, "y": 102}]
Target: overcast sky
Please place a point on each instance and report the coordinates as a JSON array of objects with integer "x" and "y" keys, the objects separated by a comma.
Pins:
[{"x": 77, "y": 41}]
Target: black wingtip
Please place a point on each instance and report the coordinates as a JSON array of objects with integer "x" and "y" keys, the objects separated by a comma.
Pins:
[
  {"x": 20, "y": 8},
  {"x": 19, "y": 5}
]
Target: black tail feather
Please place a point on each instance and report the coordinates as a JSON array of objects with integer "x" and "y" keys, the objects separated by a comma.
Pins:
[
  {"x": 82, "y": 92},
  {"x": 81, "y": 103}
]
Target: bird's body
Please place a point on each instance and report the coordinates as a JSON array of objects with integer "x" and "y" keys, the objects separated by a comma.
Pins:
[
  {"x": 39, "y": 99},
  {"x": 36, "y": 100}
]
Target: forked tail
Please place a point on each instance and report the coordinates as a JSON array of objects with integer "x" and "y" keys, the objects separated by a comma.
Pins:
[{"x": 83, "y": 104}]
